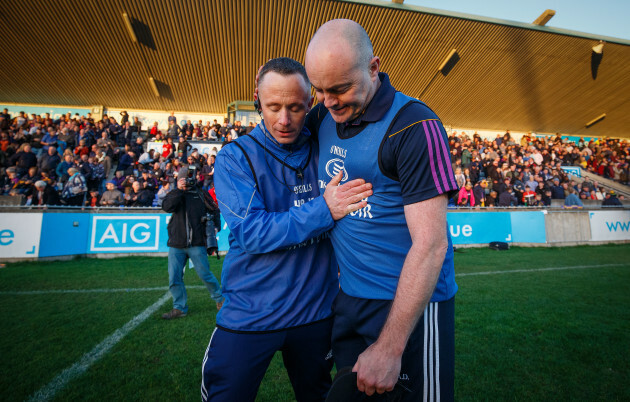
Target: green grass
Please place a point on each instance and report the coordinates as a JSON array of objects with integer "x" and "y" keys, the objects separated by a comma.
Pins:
[{"x": 538, "y": 335}]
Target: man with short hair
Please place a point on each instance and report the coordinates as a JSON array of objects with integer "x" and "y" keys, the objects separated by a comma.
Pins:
[
  {"x": 44, "y": 194},
  {"x": 187, "y": 240},
  {"x": 23, "y": 160},
  {"x": 126, "y": 133},
  {"x": 140, "y": 196},
  {"x": 611, "y": 200},
  {"x": 279, "y": 277},
  {"x": 112, "y": 197},
  {"x": 49, "y": 160},
  {"x": 398, "y": 265},
  {"x": 173, "y": 129}
]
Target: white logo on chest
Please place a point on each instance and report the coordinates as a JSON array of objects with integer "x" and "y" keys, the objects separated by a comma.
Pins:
[{"x": 334, "y": 166}]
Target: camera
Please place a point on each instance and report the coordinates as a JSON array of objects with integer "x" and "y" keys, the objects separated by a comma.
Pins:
[{"x": 191, "y": 177}]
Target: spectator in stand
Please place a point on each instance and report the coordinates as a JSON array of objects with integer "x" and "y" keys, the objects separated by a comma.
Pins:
[
  {"x": 114, "y": 132},
  {"x": 250, "y": 127},
  {"x": 173, "y": 129},
  {"x": 147, "y": 181},
  {"x": 546, "y": 197},
  {"x": 165, "y": 189},
  {"x": 611, "y": 200},
  {"x": 124, "y": 119},
  {"x": 138, "y": 146},
  {"x": 43, "y": 194},
  {"x": 26, "y": 182},
  {"x": 467, "y": 194},
  {"x": 97, "y": 175},
  {"x": 529, "y": 196},
  {"x": 168, "y": 149},
  {"x": 67, "y": 139},
  {"x": 49, "y": 160},
  {"x": 183, "y": 147},
  {"x": 207, "y": 171},
  {"x": 85, "y": 169},
  {"x": 507, "y": 198},
  {"x": 112, "y": 197},
  {"x": 538, "y": 202},
  {"x": 93, "y": 199},
  {"x": 557, "y": 191},
  {"x": 4, "y": 142},
  {"x": 225, "y": 128},
  {"x": 119, "y": 180},
  {"x": 147, "y": 158},
  {"x": 126, "y": 133},
  {"x": 82, "y": 149},
  {"x": 154, "y": 130},
  {"x": 460, "y": 178},
  {"x": 62, "y": 168},
  {"x": 10, "y": 181},
  {"x": 212, "y": 134},
  {"x": 187, "y": 126},
  {"x": 479, "y": 192},
  {"x": 139, "y": 196},
  {"x": 75, "y": 188},
  {"x": 127, "y": 162},
  {"x": 137, "y": 126},
  {"x": 23, "y": 159},
  {"x": 572, "y": 200},
  {"x": 50, "y": 138},
  {"x": 172, "y": 118}
]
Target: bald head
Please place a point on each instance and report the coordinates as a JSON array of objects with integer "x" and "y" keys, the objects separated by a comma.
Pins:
[
  {"x": 342, "y": 68},
  {"x": 343, "y": 38}
]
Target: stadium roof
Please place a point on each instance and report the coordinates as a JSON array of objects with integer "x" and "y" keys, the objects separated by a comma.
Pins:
[{"x": 204, "y": 54}]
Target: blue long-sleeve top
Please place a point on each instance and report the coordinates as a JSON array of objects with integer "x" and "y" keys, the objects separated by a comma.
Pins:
[{"x": 280, "y": 271}]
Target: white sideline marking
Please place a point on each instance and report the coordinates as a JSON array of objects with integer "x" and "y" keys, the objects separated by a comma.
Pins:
[
  {"x": 63, "y": 291},
  {"x": 540, "y": 269},
  {"x": 48, "y": 392}
]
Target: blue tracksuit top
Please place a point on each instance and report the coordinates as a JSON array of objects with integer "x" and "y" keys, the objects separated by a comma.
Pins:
[
  {"x": 371, "y": 244},
  {"x": 280, "y": 271}
]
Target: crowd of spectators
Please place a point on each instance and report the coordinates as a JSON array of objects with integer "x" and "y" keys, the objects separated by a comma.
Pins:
[
  {"x": 505, "y": 172},
  {"x": 79, "y": 161}
]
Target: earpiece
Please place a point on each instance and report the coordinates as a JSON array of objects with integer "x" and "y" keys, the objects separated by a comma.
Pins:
[{"x": 257, "y": 106}]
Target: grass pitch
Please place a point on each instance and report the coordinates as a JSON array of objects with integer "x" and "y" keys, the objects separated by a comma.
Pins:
[{"x": 531, "y": 324}]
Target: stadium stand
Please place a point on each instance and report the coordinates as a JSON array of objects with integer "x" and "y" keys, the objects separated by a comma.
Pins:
[{"x": 501, "y": 172}]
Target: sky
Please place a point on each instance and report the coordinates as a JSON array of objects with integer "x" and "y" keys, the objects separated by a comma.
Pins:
[{"x": 602, "y": 17}]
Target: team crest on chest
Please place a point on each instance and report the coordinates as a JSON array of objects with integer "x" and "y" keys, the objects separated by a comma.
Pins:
[{"x": 334, "y": 166}]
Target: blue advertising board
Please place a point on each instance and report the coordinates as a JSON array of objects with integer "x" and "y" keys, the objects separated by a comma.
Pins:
[
  {"x": 486, "y": 227},
  {"x": 64, "y": 234},
  {"x": 85, "y": 233},
  {"x": 475, "y": 228},
  {"x": 134, "y": 233}
]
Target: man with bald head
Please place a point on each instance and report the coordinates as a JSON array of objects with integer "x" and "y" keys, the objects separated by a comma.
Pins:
[
  {"x": 279, "y": 277},
  {"x": 394, "y": 314}
]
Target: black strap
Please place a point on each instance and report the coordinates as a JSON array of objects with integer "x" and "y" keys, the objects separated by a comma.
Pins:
[
  {"x": 249, "y": 161},
  {"x": 299, "y": 170}
]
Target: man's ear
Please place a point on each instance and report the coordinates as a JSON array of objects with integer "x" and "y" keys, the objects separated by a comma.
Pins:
[
  {"x": 310, "y": 103},
  {"x": 374, "y": 67}
]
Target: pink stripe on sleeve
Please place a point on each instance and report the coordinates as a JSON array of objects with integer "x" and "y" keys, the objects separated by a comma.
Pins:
[
  {"x": 446, "y": 152},
  {"x": 436, "y": 139},
  {"x": 430, "y": 146}
]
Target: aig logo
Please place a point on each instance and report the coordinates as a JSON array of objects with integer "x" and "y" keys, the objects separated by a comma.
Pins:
[
  {"x": 334, "y": 166},
  {"x": 125, "y": 233}
]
